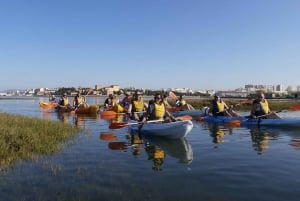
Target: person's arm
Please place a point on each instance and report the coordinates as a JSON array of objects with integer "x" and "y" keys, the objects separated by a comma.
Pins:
[{"x": 168, "y": 114}]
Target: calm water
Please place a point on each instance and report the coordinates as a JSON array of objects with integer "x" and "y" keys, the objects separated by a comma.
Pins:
[{"x": 214, "y": 163}]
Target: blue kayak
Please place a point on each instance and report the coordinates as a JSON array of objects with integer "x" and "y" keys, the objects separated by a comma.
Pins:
[
  {"x": 283, "y": 122},
  {"x": 221, "y": 119},
  {"x": 194, "y": 113}
]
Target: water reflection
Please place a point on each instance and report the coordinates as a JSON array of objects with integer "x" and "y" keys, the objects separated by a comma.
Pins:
[
  {"x": 63, "y": 117},
  {"x": 218, "y": 131},
  {"x": 260, "y": 138},
  {"x": 157, "y": 155},
  {"x": 295, "y": 142},
  {"x": 156, "y": 148},
  {"x": 80, "y": 120},
  {"x": 176, "y": 148}
]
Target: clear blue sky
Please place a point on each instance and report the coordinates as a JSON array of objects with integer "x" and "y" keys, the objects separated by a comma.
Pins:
[{"x": 198, "y": 44}]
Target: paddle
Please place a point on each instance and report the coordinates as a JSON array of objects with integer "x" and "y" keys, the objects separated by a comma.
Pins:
[
  {"x": 116, "y": 125},
  {"x": 294, "y": 107},
  {"x": 113, "y": 113},
  {"x": 172, "y": 95},
  {"x": 185, "y": 117},
  {"x": 264, "y": 115}
]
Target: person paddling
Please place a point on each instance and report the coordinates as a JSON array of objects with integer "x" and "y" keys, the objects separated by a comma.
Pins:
[{"x": 260, "y": 108}]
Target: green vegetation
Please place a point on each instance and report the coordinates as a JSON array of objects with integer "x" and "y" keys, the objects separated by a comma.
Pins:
[{"x": 27, "y": 138}]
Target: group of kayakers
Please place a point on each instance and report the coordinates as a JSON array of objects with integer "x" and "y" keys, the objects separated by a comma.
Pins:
[
  {"x": 260, "y": 108},
  {"x": 64, "y": 102},
  {"x": 140, "y": 110},
  {"x": 160, "y": 109}
]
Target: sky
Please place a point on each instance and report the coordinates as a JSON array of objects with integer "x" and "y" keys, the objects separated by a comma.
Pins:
[{"x": 152, "y": 44}]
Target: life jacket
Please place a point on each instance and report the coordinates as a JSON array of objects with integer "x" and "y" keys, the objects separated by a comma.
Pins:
[
  {"x": 262, "y": 108},
  {"x": 65, "y": 101},
  {"x": 79, "y": 100},
  {"x": 138, "y": 105},
  {"x": 118, "y": 108},
  {"x": 218, "y": 107},
  {"x": 180, "y": 102},
  {"x": 157, "y": 111}
]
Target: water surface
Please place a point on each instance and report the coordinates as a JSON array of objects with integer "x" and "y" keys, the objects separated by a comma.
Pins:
[{"x": 214, "y": 163}]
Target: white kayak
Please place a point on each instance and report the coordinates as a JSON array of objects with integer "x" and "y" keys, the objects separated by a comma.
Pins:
[{"x": 172, "y": 130}]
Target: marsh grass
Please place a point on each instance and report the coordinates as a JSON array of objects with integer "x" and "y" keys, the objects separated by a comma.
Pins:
[{"x": 28, "y": 138}]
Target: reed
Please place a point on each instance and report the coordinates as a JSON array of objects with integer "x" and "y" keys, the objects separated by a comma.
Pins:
[{"x": 28, "y": 138}]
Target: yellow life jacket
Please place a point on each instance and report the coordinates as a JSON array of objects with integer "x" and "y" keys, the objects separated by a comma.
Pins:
[
  {"x": 183, "y": 102},
  {"x": 66, "y": 101},
  {"x": 221, "y": 106},
  {"x": 159, "y": 111},
  {"x": 264, "y": 106},
  {"x": 118, "y": 108},
  {"x": 138, "y": 105},
  {"x": 80, "y": 100}
]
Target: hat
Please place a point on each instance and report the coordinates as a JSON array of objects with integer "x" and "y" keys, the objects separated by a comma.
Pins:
[
  {"x": 127, "y": 93},
  {"x": 65, "y": 94}
]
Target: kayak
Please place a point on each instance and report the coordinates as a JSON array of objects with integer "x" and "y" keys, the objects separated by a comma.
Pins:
[
  {"x": 63, "y": 108},
  {"x": 193, "y": 113},
  {"x": 221, "y": 119},
  {"x": 284, "y": 122},
  {"x": 172, "y": 130},
  {"x": 47, "y": 105},
  {"x": 92, "y": 109}
]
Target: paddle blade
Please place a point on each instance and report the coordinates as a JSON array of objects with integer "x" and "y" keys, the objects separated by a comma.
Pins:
[
  {"x": 107, "y": 136},
  {"x": 117, "y": 125},
  {"x": 117, "y": 145},
  {"x": 108, "y": 113},
  {"x": 295, "y": 107},
  {"x": 185, "y": 117},
  {"x": 234, "y": 123},
  {"x": 172, "y": 95}
]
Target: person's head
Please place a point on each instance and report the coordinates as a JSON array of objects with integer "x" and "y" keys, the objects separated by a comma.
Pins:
[
  {"x": 217, "y": 96},
  {"x": 157, "y": 97},
  {"x": 110, "y": 96},
  {"x": 137, "y": 94},
  {"x": 165, "y": 96},
  {"x": 65, "y": 95},
  {"x": 261, "y": 96}
]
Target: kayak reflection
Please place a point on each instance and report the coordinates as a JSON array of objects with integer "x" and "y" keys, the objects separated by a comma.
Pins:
[{"x": 176, "y": 148}]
